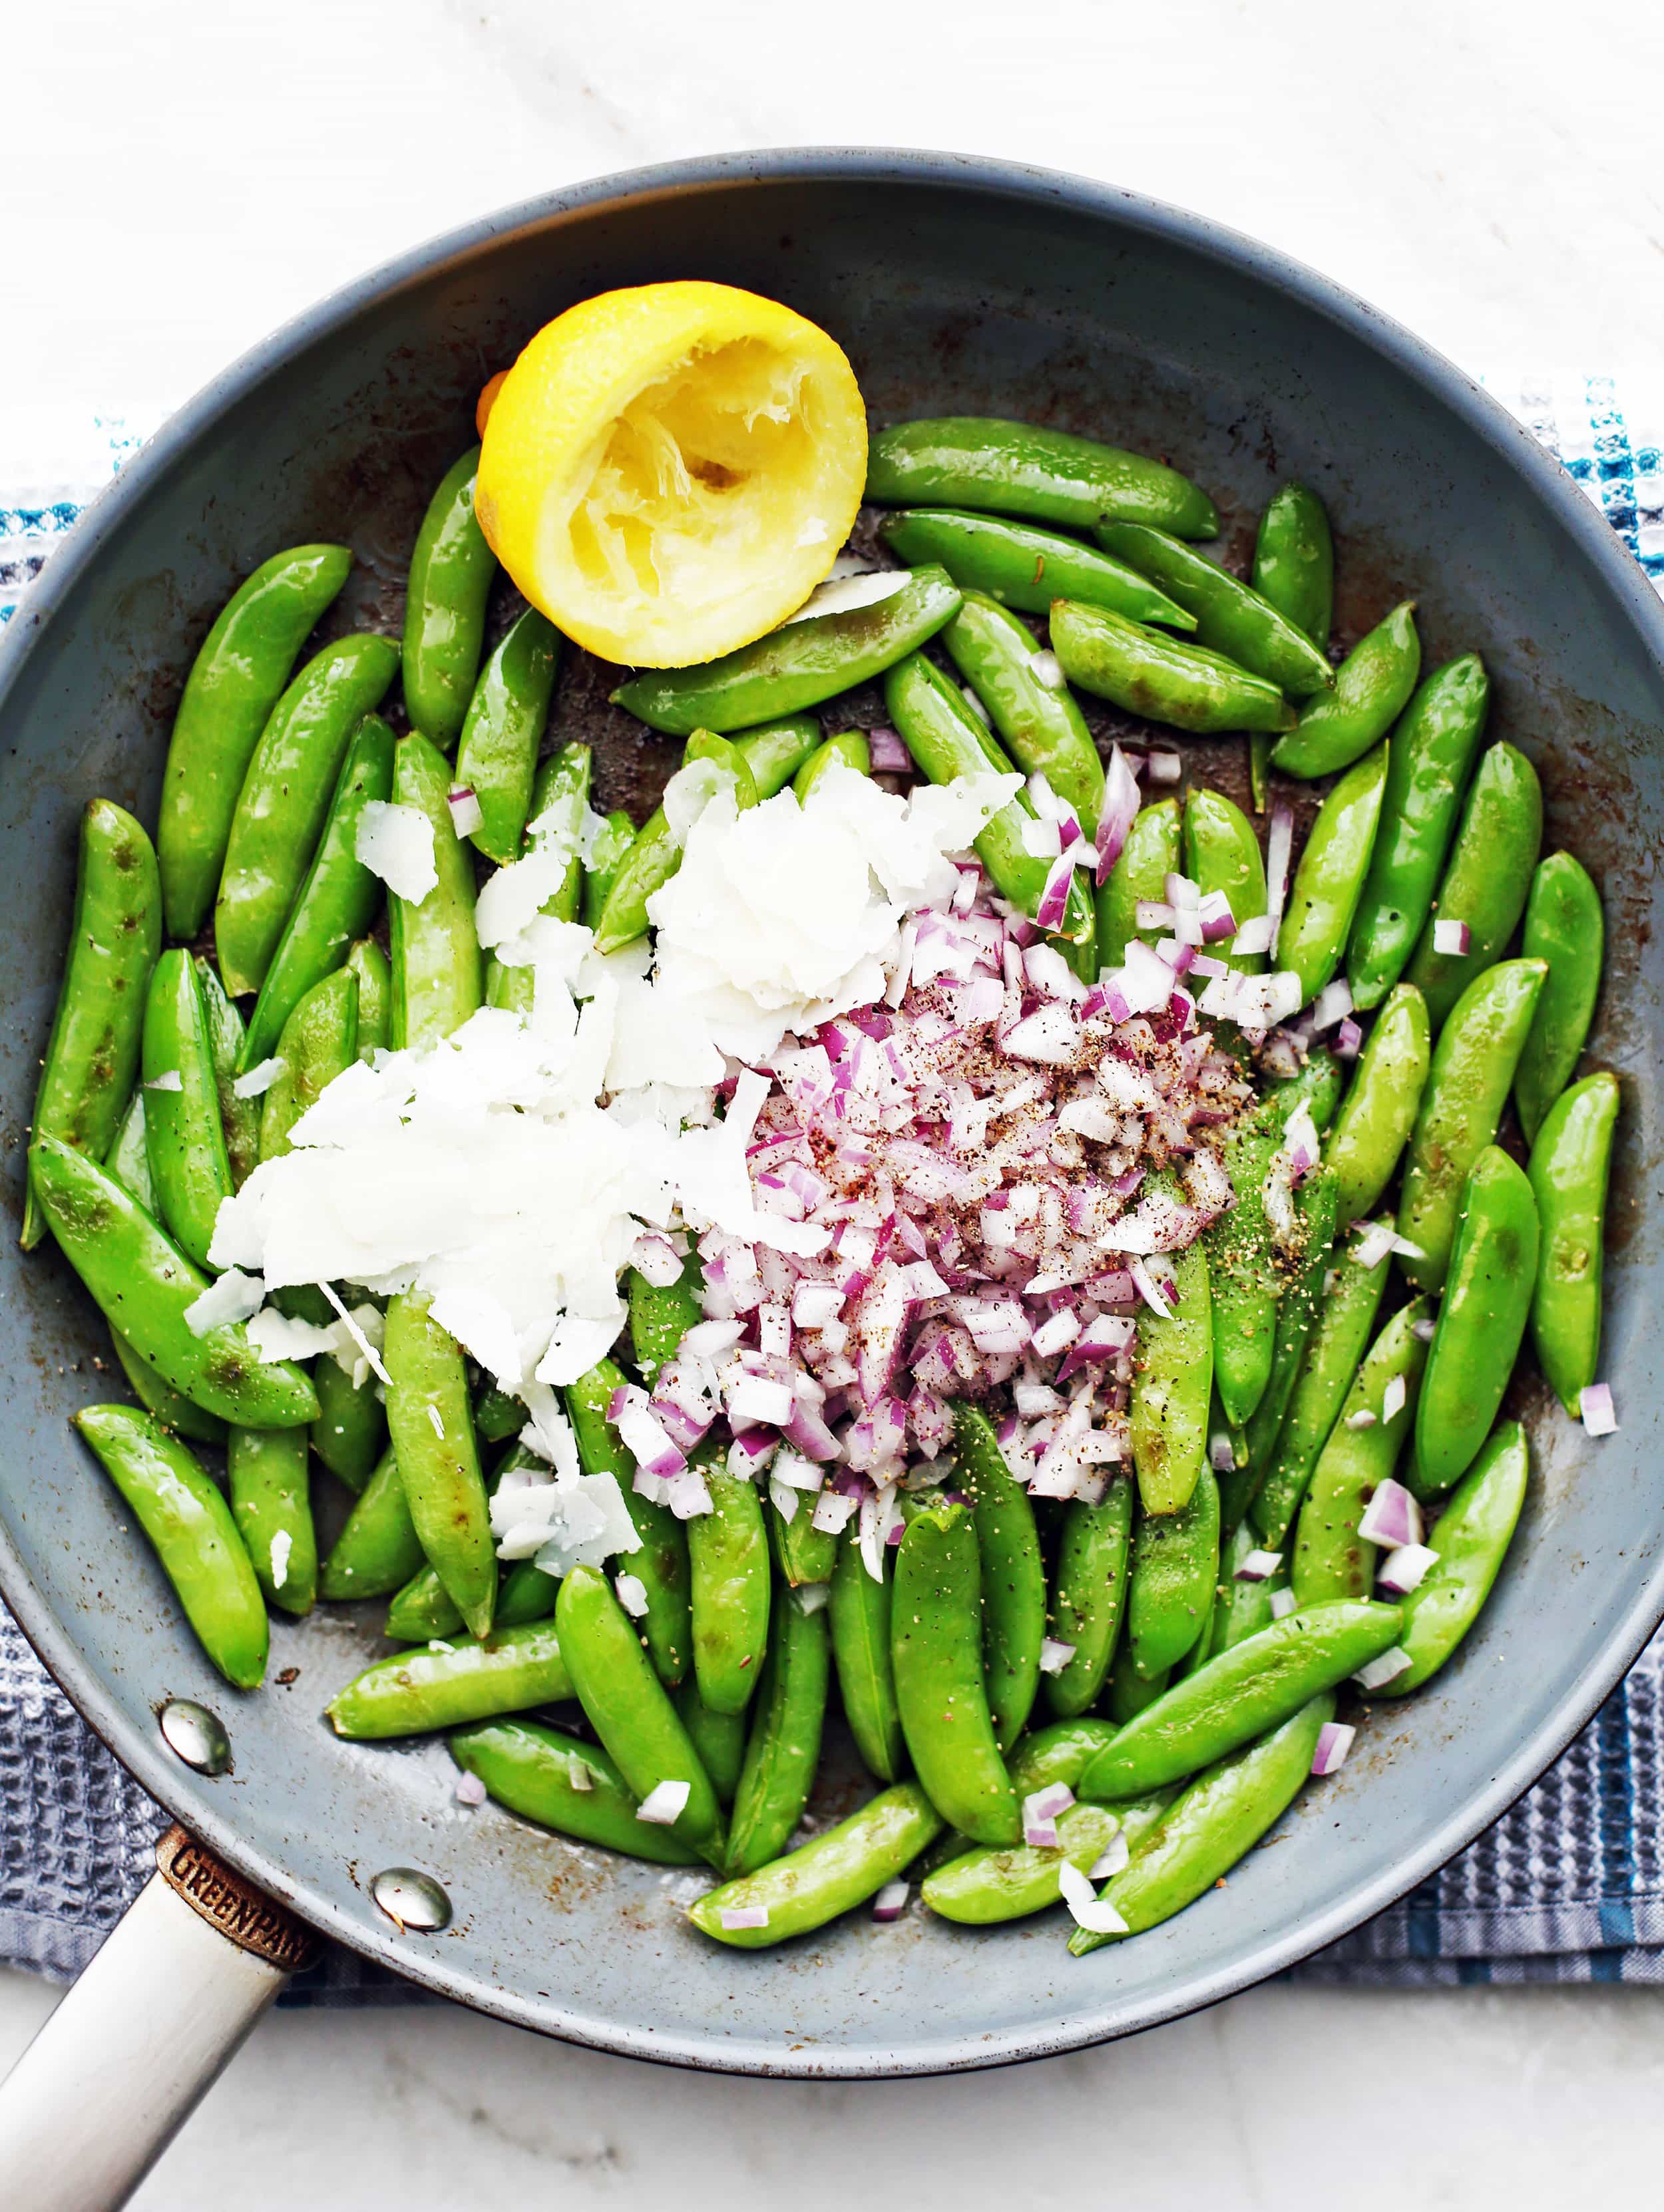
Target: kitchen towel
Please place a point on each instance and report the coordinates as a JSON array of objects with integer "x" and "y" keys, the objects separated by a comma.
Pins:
[{"x": 1568, "y": 1887}]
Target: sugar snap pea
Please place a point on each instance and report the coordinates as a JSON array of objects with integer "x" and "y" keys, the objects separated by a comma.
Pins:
[
  {"x": 661, "y": 1563},
  {"x": 1372, "y": 687},
  {"x": 1433, "y": 746},
  {"x": 660, "y": 1314},
  {"x": 431, "y": 1425},
  {"x": 1467, "y": 1085},
  {"x": 1088, "y": 1595},
  {"x": 235, "y": 681},
  {"x": 497, "y": 755},
  {"x": 239, "y": 1118},
  {"x": 93, "y": 1056},
  {"x": 1221, "y": 853},
  {"x": 1242, "y": 1604},
  {"x": 1025, "y": 567},
  {"x": 1244, "y": 1275},
  {"x": 830, "y": 1874},
  {"x": 935, "y": 1648},
  {"x": 719, "y": 1738},
  {"x": 1060, "y": 1752},
  {"x": 1472, "y": 1537},
  {"x": 285, "y": 798},
  {"x": 1570, "y": 1166},
  {"x": 1329, "y": 879},
  {"x": 630, "y": 1709},
  {"x": 1379, "y": 1110},
  {"x": 1564, "y": 926},
  {"x": 1129, "y": 1692},
  {"x": 844, "y": 749},
  {"x": 611, "y": 848},
  {"x": 437, "y": 980},
  {"x": 1149, "y": 855},
  {"x": 1166, "y": 679},
  {"x": 529, "y": 1768},
  {"x": 804, "y": 1554},
  {"x": 129, "y": 1158},
  {"x": 1333, "y": 1352},
  {"x": 795, "y": 667},
  {"x": 1488, "y": 879},
  {"x": 446, "y": 1684},
  {"x": 265, "y": 1472},
  {"x": 986, "y": 462},
  {"x": 423, "y": 1610},
  {"x": 319, "y": 1041},
  {"x": 1317, "y": 1209},
  {"x": 1172, "y": 1385},
  {"x": 1175, "y": 1569},
  {"x": 1038, "y": 721},
  {"x": 1481, "y": 1318},
  {"x": 728, "y": 1554},
  {"x": 190, "y": 1167},
  {"x": 989, "y": 1884},
  {"x": 450, "y": 581},
  {"x": 560, "y": 798},
  {"x": 336, "y": 903},
  {"x": 350, "y": 1432},
  {"x": 1318, "y": 1085},
  {"x": 369, "y": 965},
  {"x": 1255, "y": 1686},
  {"x": 859, "y": 1610},
  {"x": 1232, "y": 618},
  {"x": 1012, "y": 1572},
  {"x": 1331, "y": 1560},
  {"x": 785, "y": 1745},
  {"x": 142, "y": 1283},
  {"x": 378, "y": 1550},
  {"x": 164, "y": 1404},
  {"x": 191, "y": 1529},
  {"x": 1212, "y": 1825},
  {"x": 1294, "y": 561},
  {"x": 776, "y": 749}
]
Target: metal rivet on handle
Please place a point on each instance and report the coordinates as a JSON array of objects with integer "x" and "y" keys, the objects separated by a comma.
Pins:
[
  {"x": 196, "y": 1735},
  {"x": 411, "y": 1899}
]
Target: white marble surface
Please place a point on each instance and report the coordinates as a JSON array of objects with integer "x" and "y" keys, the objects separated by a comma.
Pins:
[{"x": 181, "y": 177}]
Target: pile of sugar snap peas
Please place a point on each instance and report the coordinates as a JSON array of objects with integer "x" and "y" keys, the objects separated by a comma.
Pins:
[{"x": 1311, "y": 1423}]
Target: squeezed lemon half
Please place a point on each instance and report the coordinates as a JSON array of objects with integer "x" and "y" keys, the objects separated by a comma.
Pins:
[{"x": 669, "y": 472}]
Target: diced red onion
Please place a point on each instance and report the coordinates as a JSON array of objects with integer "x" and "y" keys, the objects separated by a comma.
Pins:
[
  {"x": 1452, "y": 937},
  {"x": 1221, "y": 1454},
  {"x": 1405, "y": 1569},
  {"x": 657, "y": 1260},
  {"x": 1596, "y": 1411},
  {"x": 1363, "y": 1418},
  {"x": 1054, "y": 899},
  {"x": 1425, "y": 1329},
  {"x": 1148, "y": 1290},
  {"x": 1116, "y": 816},
  {"x": 1376, "y": 1244},
  {"x": 663, "y": 1804},
  {"x": 1392, "y": 1517},
  {"x": 890, "y": 1902},
  {"x": 1055, "y": 1654},
  {"x": 1217, "y": 919},
  {"x": 1331, "y": 1004},
  {"x": 1112, "y": 1860},
  {"x": 466, "y": 814},
  {"x": 1334, "y": 1740},
  {"x": 1385, "y": 1670},
  {"x": 1257, "y": 934},
  {"x": 1392, "y": 1398},
  {"x": 1153, "y": 913},
  {"x": 887, "y": 752},
  {"x": 1349, "y": 1037},
  {"x": 1165, "y": 767},
  {"x": 1279, "y": 851},
  {"x": 1259, "y": 1566},
  {"x": 743, "y": 1916},
  {"x": 1283, "y": 1601}
]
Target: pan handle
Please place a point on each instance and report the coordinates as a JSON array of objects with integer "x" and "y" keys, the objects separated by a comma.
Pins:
[{"x": 120, "y": 2065}]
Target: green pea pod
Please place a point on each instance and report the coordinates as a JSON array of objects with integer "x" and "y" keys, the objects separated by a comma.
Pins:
[
  {"x": 285, "y": 798},
  {"x": 431, "y": 1425},
  {"x": 1221, "y": 853},
  {"x": 1260, "y": 743},
  {"x": 1060, "y": 1752},
  {"x": 1472, "y": 1537},
  {"x": 1317, "y": 1208},
  {"x": 660, "y": 1314},
  {"x": 190, "y": 1167},
  {"x": 719, "y": 1739},
  {"x": 1433, "y": 748},
  {"x": 847, "y": 748},
  {"x": 1481, "y": 1318},
  {"x": 986, "y": 462},
  {"x": 1329, "y": 880},
  {"x": 1564, "y": 926},
  {"x": 378, "y": 1551},
  {"x": 1149, "y": 855},
  {"x": 860, "y": 1612},
  {"x": 1171, "y": 1386},
  {"x": 1025, "y": 567},
  {"x": 1351, "y": 1301},
  {"x": 1571, "y": 1167},
  {"x": 1378, "y": 1111},
  {"x": 612, "y": 847},
  {"x": 338, "y": 900},
  {"x": 422, "y": 1610},
  {"x": 447, "y": 1684},
  {"x": 1372, "y": 687},
  {"x": 1468, "y": 1086},
  {"x": 1232, "y": 618},
  {"x": 630, "y": 1709},
  {"x": 661, "y": 1564},
  {"x": 727, "y": 1553},
  {"x": 1488, "y": 880},
  {"x": 1294, "y": 561},
  {"x": 142, "y": 1283},
  {"x": 164, "y": 1404},
  {"x": 808, "y": 660},
  {"x": 497, "y": 755},
  {"x": 531, "y": 1769},
  {"x": 1041, "y": 726},
  {"x": 436, "y": 980},
  {"x": 946, "y": 740},
  {"x": 1175, "y": 1567},
  {"x": 1331, "y": 1559},
  {"x": 988, "y": 1885},
  {"x": 1211, "y": 1826},
  {"x": 1242, "y": 1605},
  {"x": 369, "y": 965},
  {"x": 1242, "y": 1268},
  {"x": 93, "y": 1056},
  {"x": 560, "y": 798},
  {"x": 831, "y": 1875},
  {"x": 784, "y": 1747},
  {"x": 1254, "y": 1687},
  {"x": 1228, "y": 1456},
  {"x": 775, "y": 750},
  {"x": 1165, "y": 679},
  {"x": 1318, "y": 1085},
  {"x": 190, "y": 1527},
  {"x": 935, "y": 1648},
  {"x": 1088, "y": 1595},
  {"x": 526, "y": 1593},
  {"x": 1129, "y": 1692},
  {"x": 1012, "y": 1572},
  {"x": 319, "y": 1041},
  {"x": 804, "y": 1554},
  {"x": 129, "y": 1158},
  {"x": 266, "y": 1475},
  {"x": 235, "y": 681},
  {"x": 451, "y": 573},
  {"x": 350, "y": 1432}
]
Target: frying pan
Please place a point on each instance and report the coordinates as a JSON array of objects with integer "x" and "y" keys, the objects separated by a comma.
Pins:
[{"x": 957, "y": 286}]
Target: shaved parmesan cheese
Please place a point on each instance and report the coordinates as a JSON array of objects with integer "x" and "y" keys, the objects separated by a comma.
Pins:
[
  {"x": 172, "y": 1080},
  {"x": 234, "y": 1297},
  {"x": 282, "y": 1544},
  {"x": 259, "y": 1078},
  {"x": 838, "y": 596},
  {"x": 275, "y": 1336},
  {"x": 663, "y": 1803},
  {"x": 395, "y": 842},
  {"x": 561, "y": 1526}
]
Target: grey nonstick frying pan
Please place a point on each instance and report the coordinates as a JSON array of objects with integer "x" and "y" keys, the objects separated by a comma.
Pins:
[{"x": 957, "y": 286}]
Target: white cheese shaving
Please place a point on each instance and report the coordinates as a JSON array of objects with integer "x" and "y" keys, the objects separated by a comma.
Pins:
[
  {"x": 561, "y": 1526},
  {"x": 172, "y": 1081},
  {"x": 234, "y": 1297},
  {"x": 837, "y": 597},
  {"x": 259, "y": 1078},
  {"x": 395, "y": 842},
  {"x": 275, "y": 1336},
  {"x": 282, "y": 1544}
]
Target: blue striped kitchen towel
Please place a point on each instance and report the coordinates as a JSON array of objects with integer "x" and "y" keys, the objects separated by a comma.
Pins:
[{"x": 1568, "y": 1887}]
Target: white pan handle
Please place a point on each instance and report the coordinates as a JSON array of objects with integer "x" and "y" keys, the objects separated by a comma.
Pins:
[{"x": 118, "y": 2069}]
